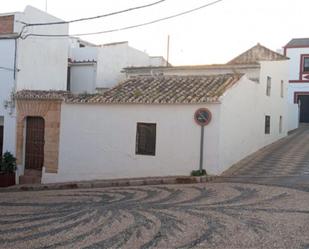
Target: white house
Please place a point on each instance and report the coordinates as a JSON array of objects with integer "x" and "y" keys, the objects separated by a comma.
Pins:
[
  {"x": 145, "y": 126},
  {"x": 298, "y": 52},
  {"x": 97, "y": 68},
  {"x": 42, "y": 57},
  {"x": 31, "y": 63}
]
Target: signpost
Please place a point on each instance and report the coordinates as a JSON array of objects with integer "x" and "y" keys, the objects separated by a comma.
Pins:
[{"x": 202, "y": 117}]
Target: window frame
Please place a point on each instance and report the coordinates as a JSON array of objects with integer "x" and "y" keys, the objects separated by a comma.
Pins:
[
  {"x": 304, "y": 57},
  {"x": 267, "y": 124},
  {"x": 150, "y": 149}
]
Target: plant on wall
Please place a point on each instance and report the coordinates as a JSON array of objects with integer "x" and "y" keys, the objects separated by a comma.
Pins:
[{"x": 8, "y": 163}]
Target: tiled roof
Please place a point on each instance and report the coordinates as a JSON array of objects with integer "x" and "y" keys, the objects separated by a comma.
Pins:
[
  {"x": 298, "y": 42},
  {"x": 41, "y": 95},
  {"x": 256, "y": 54},
  {"x": 164, "y": 90}
]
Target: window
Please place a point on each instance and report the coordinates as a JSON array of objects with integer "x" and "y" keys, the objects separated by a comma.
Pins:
[
  {"x": 306, "y": 64},
  {"x": 282, "y": 89},
  {"x": 1, "y": 135},
  {"x": 69, "y": 79},
  {"x": 268, "y": 87},
  {"x": 146, "y": 139},
  {"x": 280, "y": 124},
  {"x": 267, "y": 124}
]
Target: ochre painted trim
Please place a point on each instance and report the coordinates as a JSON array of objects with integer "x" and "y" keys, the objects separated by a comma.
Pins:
[{"x": 51, "y": 112}]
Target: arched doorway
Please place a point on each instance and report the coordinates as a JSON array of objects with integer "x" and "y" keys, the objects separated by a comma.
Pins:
[{"x": 34, "y": 150}]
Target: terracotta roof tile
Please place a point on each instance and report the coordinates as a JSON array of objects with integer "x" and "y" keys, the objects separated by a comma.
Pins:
[
  {"x": 256, "y": 54},
  {"x": 41, "y": 95},
  {"x": 164, "y": 90}
]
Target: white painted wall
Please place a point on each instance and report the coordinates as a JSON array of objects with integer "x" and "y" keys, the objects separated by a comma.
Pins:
[
  {"x": 252, "y": 72},
  {"x": 110, "y": 59},
  {"x": 243, "y": 111},
  {"x": 83, "y": 78},
  {"x": 113, "y": 58},
  {"x": 294, "y": 66},
  {"x": 98, "y": 141},
  {"x": 42, "y": 61},
  {"x": 293, "y": 116},
  {"x": 7, "y": 53}
]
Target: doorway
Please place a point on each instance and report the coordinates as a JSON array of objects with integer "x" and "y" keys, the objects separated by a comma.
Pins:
[
  {"x": 304, "y": 108},
  {"x": 34, "y": 152}
]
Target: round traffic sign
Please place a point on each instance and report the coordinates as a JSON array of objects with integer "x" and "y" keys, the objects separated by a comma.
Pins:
[{"x": 202, "y": 116}]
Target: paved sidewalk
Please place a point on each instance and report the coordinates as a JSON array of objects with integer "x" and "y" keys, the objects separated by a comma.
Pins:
[{"x": 283, "y": 163}]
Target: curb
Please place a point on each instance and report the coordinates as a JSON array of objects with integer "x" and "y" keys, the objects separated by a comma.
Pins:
[{"x": 111, "y": 183}]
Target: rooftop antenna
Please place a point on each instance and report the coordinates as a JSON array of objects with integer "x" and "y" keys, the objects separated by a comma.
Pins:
[{"x": 45, "y": 5}]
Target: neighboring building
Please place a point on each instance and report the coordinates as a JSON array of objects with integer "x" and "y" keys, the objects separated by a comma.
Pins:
[
  {"x": 145, "y": 127},
  {"x": 97, "y": 68},
  {"x": 32, "y": 63},
  {"x": 298, "y": 52}
]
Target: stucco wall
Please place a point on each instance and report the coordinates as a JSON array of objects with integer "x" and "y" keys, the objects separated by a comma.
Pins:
[
  {"x": 83, "y": 78},
  {"x": 7, "y": 51},
  {"x": 98, "y": 141},
  {"x": 252, "y": 72},
  {"x": 293, "y": 114},
  {"x": 113, "y": 58},
  {"x": 242, "y": 127},
  {"x": 294, "y": 69},
  {"x": 42, "y": 61},
  {"x": 294, "y": 65}
]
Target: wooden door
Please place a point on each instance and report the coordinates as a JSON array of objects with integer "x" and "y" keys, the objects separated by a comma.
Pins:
[
  {"x": 1, "y": 140},
  {"x": 34, "y": 154},
  {"x": 304, "y": 108}
]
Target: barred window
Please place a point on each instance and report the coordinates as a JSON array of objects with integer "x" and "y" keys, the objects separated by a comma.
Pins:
[{"x": 146, "y": 139}]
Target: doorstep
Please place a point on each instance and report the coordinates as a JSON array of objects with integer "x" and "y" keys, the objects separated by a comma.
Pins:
[{"x": 111, "y": 183}]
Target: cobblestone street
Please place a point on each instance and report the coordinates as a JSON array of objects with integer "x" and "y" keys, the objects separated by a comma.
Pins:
[{"x": 215, "y": 215}]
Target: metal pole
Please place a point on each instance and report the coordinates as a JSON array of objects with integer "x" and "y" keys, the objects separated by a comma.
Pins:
[
  {"x": 168, "y": 51},
  {"x": 45, "y": 5},
  {"x": 201, "y": 148}
]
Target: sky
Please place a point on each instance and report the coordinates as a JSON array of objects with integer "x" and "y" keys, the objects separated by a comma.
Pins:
[{"x": 215, "y": 34}]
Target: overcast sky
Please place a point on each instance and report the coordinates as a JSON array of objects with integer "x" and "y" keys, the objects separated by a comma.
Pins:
[{"x": 215, "y": 34}]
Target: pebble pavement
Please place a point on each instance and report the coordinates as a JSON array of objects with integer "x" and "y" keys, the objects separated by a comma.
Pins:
[{"x": 212, "y": 215}]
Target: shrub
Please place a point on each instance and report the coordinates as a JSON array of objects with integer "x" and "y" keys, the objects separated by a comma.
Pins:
[
  {"x": 7, "y": 163},
  {"x": 198, "y": 172}
]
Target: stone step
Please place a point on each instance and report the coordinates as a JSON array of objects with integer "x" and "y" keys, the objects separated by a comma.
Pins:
[
  {"x": 25, "y": 179},
  {"x": 33, "y": 172}
]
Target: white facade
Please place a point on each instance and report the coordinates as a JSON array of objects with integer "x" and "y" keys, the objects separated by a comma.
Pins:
[
  {"x": 296, "y": 83},
  {"x": 243, "y": 112},
  {"x": 34, "y": 63},
  {"x": 105, "y": 145},
  {"x": 298, "y": 96},
  {"x": 7, "y": 84},
  {"x": 42, "y": 62},
  {"x": 100, "y": 67}
]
